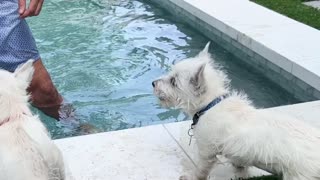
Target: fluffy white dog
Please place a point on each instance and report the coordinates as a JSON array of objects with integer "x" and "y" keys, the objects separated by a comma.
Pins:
[
  {"x": 226, "y": 123},
  {"x": 26, "y": 150}
]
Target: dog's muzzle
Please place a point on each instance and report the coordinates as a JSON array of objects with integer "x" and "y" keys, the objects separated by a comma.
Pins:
[
  {"x": 157, "y": 92},
  {"x": 154, "y": 83}
]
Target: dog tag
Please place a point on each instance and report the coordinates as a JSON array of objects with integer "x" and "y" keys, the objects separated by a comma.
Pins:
[
  {"x": 190, "y": 133},
  {"x": 190, "y": 140}
]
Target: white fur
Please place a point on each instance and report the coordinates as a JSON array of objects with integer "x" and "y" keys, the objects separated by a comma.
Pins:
[
  {"x": 275, "y": 142},
  {"x": 26, "y": 150}
]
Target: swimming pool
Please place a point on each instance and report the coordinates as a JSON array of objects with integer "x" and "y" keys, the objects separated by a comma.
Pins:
[{"x": 103, "y": 56}]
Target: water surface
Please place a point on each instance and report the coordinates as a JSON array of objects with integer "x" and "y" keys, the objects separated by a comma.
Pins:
[{"x": 103, "y": 55}]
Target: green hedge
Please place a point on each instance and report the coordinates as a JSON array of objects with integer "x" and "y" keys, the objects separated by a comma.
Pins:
[
  {"x": 266, "y": 178},
  {"x": 295, "y": 10}
]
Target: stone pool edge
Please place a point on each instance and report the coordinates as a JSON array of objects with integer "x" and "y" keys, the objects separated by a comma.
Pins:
[
  {"x": 157, "y": 152},
  {"x": 295, "y": 72}
]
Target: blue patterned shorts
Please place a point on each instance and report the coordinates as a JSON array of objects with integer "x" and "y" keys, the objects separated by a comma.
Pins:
[{"x": 17, "y": 44}]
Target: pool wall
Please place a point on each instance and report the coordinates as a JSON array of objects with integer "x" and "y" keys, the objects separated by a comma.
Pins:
[{"x": 248, "y": 45}]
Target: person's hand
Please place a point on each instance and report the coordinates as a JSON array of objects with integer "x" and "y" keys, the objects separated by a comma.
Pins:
[{"x": 33, "y": 9}]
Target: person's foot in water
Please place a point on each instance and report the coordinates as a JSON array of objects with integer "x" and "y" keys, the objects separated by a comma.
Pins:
[{"x": 44, "y": 94}]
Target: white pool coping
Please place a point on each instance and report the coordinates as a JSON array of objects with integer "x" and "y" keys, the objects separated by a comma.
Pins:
[
  {"x": 291, "y": 45},
  {"x": 159, "y": 152}
]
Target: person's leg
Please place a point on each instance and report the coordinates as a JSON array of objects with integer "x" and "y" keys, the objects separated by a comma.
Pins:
[
  {"x": 17, "y": 46},
  {"x": 44, "y": 95}
]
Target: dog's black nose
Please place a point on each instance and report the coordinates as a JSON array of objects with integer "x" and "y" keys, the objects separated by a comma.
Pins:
[{"x": 153, "y": 83}]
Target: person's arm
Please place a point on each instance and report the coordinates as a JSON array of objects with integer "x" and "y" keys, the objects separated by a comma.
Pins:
[{"x": 33, "y": 9}]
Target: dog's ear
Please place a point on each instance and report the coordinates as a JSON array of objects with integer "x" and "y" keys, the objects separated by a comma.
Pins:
[
  {"x": 24, "y": 73},
  {"x": 204, "y": 52},
  {"x": 198, "y": 80}
]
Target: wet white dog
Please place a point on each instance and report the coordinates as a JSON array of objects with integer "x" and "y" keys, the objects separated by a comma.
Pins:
[
  {"x": 26, "y": 150},
  {"x": 226, "y": 123}
]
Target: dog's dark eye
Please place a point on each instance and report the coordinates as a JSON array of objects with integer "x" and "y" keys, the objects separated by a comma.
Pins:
[{"x": 173, "y": 81}]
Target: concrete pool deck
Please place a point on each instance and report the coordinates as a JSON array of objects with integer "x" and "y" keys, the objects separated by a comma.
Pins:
[
  {"x": 159, "y": 152},
  {"x": 284, "y": 50}
]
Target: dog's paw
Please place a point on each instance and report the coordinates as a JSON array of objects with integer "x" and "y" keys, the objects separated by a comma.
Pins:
[{"x": 184, "y": 177}]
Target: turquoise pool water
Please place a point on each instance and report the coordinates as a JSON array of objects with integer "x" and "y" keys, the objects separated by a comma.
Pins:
[{"x": 103, "y": 55}]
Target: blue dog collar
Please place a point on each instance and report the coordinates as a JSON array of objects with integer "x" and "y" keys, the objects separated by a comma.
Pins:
[{"x": 196, "y": 116}]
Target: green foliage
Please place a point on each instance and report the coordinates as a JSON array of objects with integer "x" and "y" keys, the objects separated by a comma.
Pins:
[
  {"x": 295, "y": 10},
  {"x": 264, "y": 178}
]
